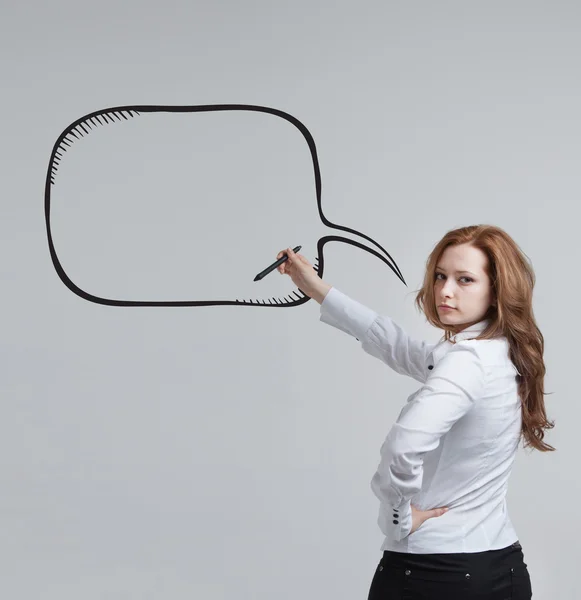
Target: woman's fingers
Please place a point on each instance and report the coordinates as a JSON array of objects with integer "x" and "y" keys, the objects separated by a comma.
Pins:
[
  {"x": 281, "y": 268},
  {"x": 293, "y": 260}
]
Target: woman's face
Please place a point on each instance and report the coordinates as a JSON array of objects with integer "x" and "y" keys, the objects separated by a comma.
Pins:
[{"x": 462, "y": 283}]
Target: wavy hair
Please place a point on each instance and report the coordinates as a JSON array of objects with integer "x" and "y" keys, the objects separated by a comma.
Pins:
[{"x": 513, "y": 279}]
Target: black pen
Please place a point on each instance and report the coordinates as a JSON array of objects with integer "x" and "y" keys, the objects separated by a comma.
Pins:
[{"x": 274, "y": 265}]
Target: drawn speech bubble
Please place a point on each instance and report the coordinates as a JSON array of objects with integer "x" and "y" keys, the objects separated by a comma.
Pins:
[{"x": 127, "y": 173}]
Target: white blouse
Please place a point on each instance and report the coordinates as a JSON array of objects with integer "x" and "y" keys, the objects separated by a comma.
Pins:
[{"x": 454, "y": 441}]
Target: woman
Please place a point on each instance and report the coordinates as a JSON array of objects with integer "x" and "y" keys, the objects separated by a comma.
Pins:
[{"x": 443, "y": 475}]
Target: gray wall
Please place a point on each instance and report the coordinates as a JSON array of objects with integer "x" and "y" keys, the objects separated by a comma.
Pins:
[{"x": 218, "y": 452}]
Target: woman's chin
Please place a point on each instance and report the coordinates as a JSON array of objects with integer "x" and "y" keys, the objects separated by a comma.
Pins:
[{"x": 448, "y": 316}]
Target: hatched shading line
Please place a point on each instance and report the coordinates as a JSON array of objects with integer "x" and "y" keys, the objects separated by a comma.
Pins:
[
  {"x": 80, "y": 129},
  {"x": 275, "y": 301}
]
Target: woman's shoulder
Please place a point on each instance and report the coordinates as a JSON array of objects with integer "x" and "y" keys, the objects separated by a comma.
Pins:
[{"x": 493, "y": 351}]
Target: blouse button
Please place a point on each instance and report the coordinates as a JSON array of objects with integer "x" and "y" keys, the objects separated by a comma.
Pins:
[
  {"x": 430, "y": 367},
  {"x": 408, "y": 572},
  {"x": 395, "y": 522},
  {"x": 467, "y": 575}
]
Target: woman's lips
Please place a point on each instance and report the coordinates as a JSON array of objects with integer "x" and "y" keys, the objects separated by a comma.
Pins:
[{"x": 442, "y": 307}]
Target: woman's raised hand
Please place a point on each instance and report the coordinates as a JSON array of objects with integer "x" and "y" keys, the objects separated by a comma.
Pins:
[{"x": 303, "y": 274}]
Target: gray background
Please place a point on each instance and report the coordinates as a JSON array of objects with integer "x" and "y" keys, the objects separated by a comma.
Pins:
[{"x": 223, "y": 452}]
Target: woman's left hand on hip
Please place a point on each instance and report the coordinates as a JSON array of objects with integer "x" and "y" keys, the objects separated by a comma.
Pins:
[{"x": 419, "y": 516}]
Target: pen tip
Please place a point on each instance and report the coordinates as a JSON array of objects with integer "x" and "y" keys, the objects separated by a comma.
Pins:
[{"x": 256, "y": 278}]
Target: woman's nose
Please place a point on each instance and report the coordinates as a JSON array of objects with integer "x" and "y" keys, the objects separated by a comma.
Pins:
[{"x": 448, "y": 289}]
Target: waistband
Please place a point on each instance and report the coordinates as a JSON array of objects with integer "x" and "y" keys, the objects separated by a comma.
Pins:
[{"x": 488, "y": 560}]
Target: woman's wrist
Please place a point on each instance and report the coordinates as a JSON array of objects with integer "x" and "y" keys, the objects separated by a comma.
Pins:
[{"x": 320, "y": 290}]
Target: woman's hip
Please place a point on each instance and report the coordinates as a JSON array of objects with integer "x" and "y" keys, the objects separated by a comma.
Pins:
[{"x": 491, "y": 575}]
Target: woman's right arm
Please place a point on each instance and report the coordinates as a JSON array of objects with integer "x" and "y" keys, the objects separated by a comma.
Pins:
[{"x": 379, "y": 335}]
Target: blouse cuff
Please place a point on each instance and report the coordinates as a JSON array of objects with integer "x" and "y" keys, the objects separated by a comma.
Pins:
[{"x": 397, "y": 520}]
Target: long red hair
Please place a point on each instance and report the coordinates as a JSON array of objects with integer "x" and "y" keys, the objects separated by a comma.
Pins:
[{"x": 513, "y": 280}]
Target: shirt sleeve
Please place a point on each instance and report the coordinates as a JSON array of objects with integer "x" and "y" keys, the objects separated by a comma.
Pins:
[
  {"x": 380, "y": 336},
  {"x": 448, "y": 394}
]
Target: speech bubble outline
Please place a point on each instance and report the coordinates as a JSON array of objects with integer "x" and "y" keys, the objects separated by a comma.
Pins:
[{"x": 85, "y": 124}]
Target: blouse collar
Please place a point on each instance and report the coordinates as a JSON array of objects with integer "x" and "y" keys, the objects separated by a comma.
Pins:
[{"x": 470, "y": 332}]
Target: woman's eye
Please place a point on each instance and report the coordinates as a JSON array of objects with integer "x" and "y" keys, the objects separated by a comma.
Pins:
[{"x": 468, "y": 279}]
